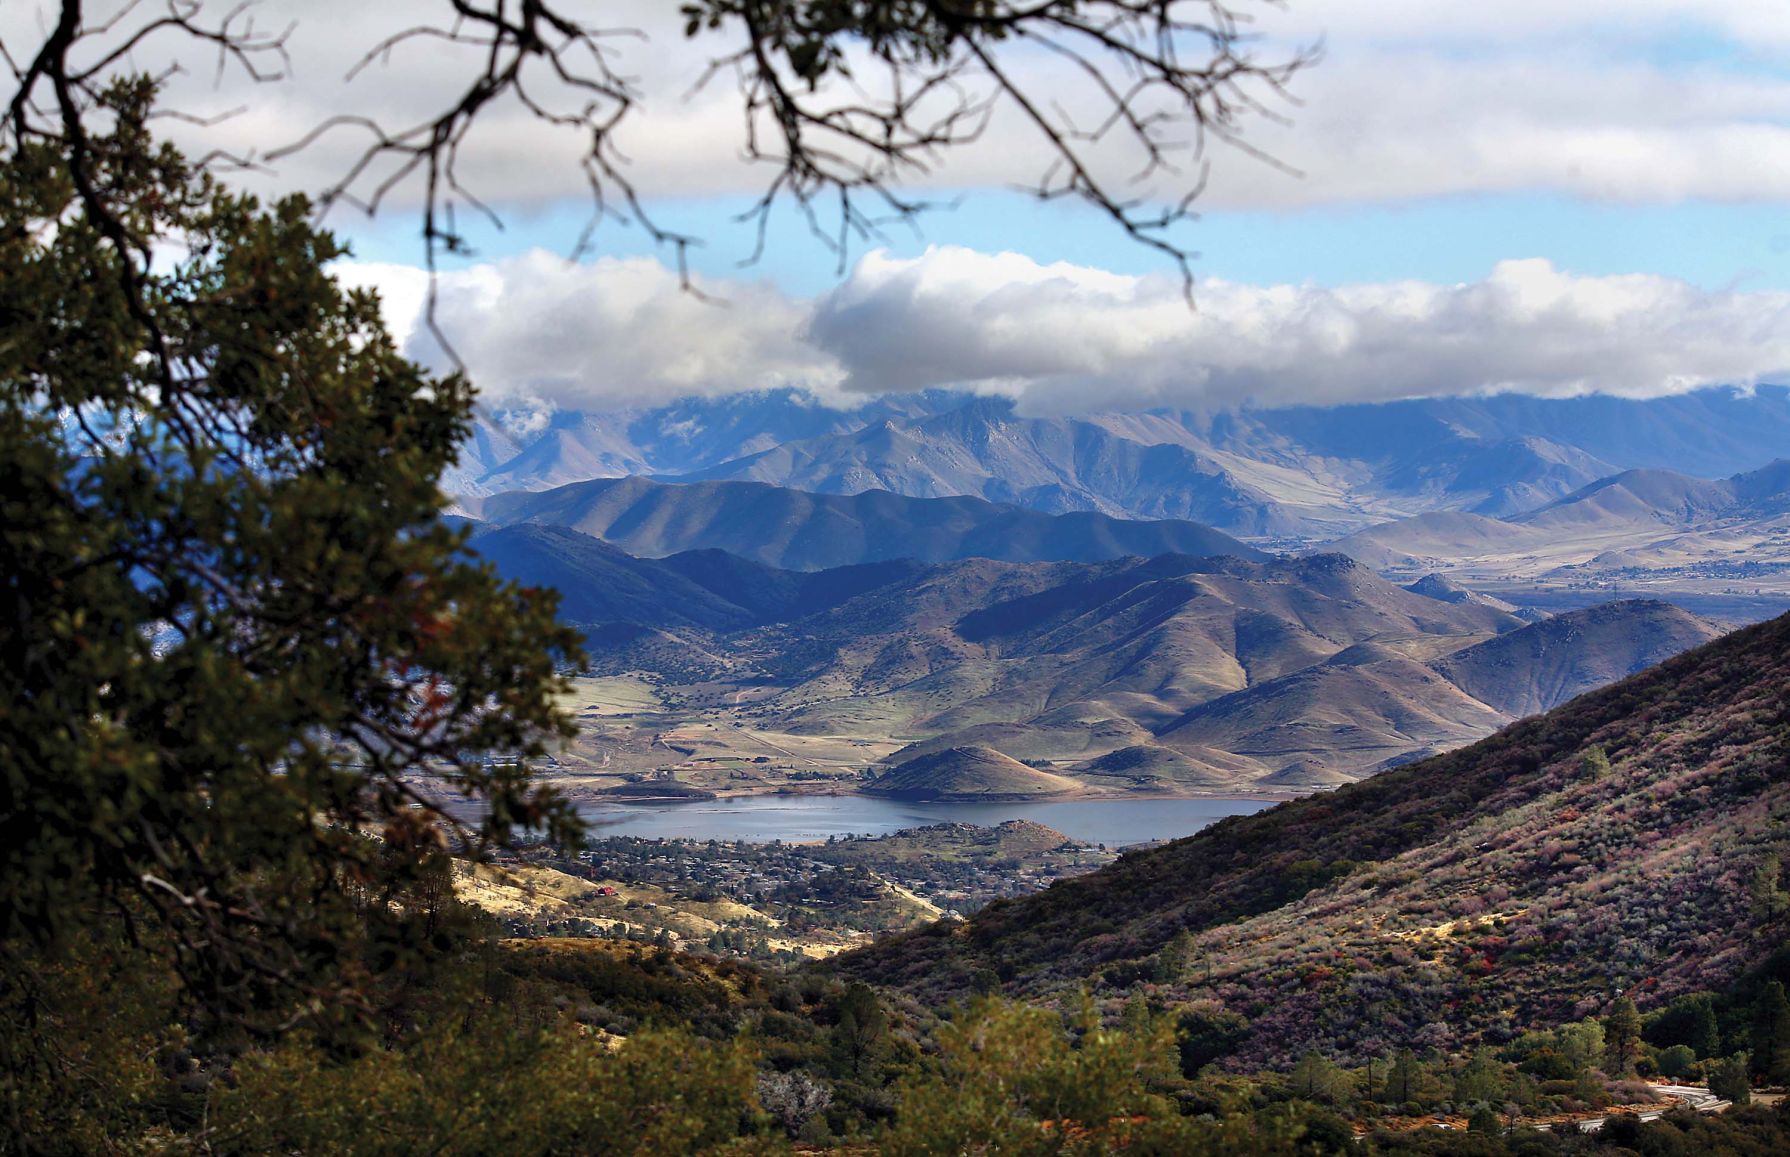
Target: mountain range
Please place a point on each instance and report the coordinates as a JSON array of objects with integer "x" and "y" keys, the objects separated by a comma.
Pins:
[
  {"x": 1628, "y": 843},
  {"x": 1223, "y": 671},
  {"x": 1645, "y": 519},
  {"x": 1301, "y": 474},
  {"x": 803, "y": 531}
]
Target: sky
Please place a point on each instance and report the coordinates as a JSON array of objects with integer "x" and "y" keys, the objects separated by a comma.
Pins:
[{"x": 1536, "y": 196}]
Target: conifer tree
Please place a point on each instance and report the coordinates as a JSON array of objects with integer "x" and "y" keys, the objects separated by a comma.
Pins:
[
  {"x": 1771, "y": 1035},
  {"x": 1622, "y": 1038}
]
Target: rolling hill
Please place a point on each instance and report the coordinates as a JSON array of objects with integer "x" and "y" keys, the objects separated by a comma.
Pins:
[
  {"x": 969, "y": 773},
  {"x": 1214, "y": 672},
  {"x": 802, "y": 531},
  {"x": 1519, "y": 882},
  {"x": 709, "y": 590}
]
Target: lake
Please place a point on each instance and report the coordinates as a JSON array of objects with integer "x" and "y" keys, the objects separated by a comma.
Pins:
[{"x": 795, "y": 818}]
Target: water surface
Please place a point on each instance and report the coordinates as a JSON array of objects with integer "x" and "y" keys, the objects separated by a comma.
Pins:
[{"x": 792, "y": 818}]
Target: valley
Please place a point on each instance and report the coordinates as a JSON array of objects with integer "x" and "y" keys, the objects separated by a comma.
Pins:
[{"x": 712, "y": 675}]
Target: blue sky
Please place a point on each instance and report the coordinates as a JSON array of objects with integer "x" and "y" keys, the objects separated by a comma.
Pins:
[{"x": 1453, "y": 238}]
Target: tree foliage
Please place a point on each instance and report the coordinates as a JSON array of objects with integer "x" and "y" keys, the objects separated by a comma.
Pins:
[{"x": 235, "y": 631}]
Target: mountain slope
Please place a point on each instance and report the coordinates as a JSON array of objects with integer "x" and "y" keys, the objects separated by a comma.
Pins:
[
  {"x": 1301, "y": 473},
  {"x": 1437, "y": 537},
  {"x": 1240, "y": 472},
  {"x": 801, "y": 531},
  {"x": 1434, "y": 586},
  {"x": 1650, "y": 499},
  {"x": 1454, "y": 901},
  {"x": 1546, "y": 663},
  {"x": 708, "y": 590}
]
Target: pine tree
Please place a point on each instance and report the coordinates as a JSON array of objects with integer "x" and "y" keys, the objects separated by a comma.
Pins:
[
  {"x": 1771, "y": 1035},
  {"x": 1316, "y": 1078},
  {"x": 1704, "y": 1036},
  {"x": 1622, "y": 1038},
  {"x": 1482, "y": 1079},
  {"x": 1404, "y": 1082},
  {"x": 860, "y": 1034}
]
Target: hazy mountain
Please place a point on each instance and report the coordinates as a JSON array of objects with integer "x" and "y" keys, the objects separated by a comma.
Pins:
[
  {"x": 983, "y": 448},
  {"x": 1546, "y": 663},
  {"x": 1301, "y": 473},
  {"x": 1240, "y": 473},
  {"x": 488, "y": 446},
  {"x": 1457, "y": 900},
  {"x": 537, "y": 452},
  {"x": 1647, "y": 519},
  {"x": 1652, "y": 499},
  {"x": 792, "y": 529}
]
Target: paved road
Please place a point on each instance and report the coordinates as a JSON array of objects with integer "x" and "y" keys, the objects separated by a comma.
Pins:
[{"x": 1701, "y": 1100}]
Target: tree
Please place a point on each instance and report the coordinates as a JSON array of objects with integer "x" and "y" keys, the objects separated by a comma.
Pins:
[
  {"x": 1771, "y": 1035},
  {"x": 1316, "y": 1078},
  {"x": 1689, "y": 1020},
  {"x": 1482, "y": 1079},
  {"x": 1175, "y": 957},
  {"x": 1622, "y": 1038},
  {"x": 1582, "y": 1044},
  {"x": 1677, "y": 1061},
  {"x": 1405, "y": 1081},
  {"x": 1596, "y": 764},
  {"x": 1207, "y": 1032},
  {"x": 1728, "y": 1080},
  {"x": 860, "y": 1034},
  {"x": 237, "y": 635},
  {"x": 1769, "y": 900}
]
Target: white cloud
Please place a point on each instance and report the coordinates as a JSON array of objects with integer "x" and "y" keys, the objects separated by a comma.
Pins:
[
  {"x": 1414, "y": 99},
  {"x": 613, "y": 332},
  {"x": 1061, "y": 337}
]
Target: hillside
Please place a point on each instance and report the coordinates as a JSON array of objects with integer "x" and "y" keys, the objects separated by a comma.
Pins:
[
  {"x": 1425, "y": 540},
  {"x": 708, "y": 590},
  {"x": 1222, "y": 673},
  {"x": 1521, "y": 881},
  {"x": 1671, "y": 531},
  {"x": 1434, "y": 586},
  {"x": 969, "y": 773},
  {"x": 1546, "y": 663},
  {"x": 801, "y": 531}
]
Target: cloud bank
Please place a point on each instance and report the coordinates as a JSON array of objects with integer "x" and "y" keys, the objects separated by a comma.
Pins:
[
  {"x": 1066, "y": 338},
  {"x": 1622, "y": 100}
]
